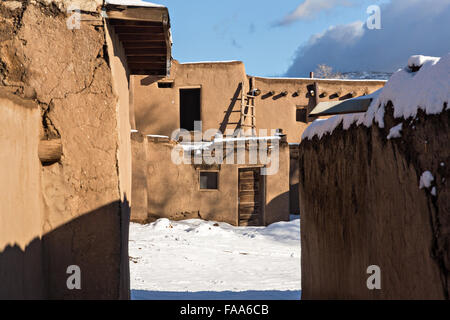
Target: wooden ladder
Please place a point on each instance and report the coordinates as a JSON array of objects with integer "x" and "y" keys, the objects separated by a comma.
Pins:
[{"x": 247, "y": 111}]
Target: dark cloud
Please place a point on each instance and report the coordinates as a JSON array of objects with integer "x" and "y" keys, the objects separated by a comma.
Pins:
[{"x": 408, "y": 27}]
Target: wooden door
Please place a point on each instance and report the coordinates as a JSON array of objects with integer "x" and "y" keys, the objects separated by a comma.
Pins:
[{"x": 250, "y": 197}]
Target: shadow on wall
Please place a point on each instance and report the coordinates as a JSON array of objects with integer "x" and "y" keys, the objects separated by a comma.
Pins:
[
  {"x": 97, "y": 242},
  {"x": 150, "y": 80},
  {"x": 276, "y": 206},
  {"x": 226, "y": 118}
]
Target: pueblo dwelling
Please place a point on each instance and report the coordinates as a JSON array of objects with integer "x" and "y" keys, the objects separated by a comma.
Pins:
[
  {"x": 65, "y": 148},
  {"x": 241, "y": 113},
  {"x": 89, "y": 100}
]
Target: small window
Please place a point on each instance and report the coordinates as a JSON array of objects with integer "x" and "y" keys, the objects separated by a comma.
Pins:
[
  {"x": 301, "y": 115},
  {"x": 208, "y": 180},
  {"x": 165, "y": 84}
]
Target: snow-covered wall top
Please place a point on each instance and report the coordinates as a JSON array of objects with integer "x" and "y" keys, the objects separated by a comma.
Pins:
[
  {"x": 134, "y": 3},
  {"x": 427, "y": 89}
]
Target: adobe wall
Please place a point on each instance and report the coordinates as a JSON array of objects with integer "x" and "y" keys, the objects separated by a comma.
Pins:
[
  {"x": 139, "y": 178},
  {"x": 157, "y": 109},
  {"x": 277, "y": 189},
  {"x": 279, "y": 111},
  {"x": 76, "y": 84},
  {"x": 361, "y": 205},
  {"x": 173, "y": 191},
  {"x": 21, "y": 214}
]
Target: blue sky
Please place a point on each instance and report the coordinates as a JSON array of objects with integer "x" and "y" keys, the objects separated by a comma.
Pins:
[{"x": 251, "y": 31}]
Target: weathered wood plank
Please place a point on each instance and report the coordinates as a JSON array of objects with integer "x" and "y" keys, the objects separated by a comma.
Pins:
[{"x": 50, "y": 151}]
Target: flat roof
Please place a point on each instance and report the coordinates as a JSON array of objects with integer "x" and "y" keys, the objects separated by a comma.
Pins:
[{"x": 143, "y": 28}]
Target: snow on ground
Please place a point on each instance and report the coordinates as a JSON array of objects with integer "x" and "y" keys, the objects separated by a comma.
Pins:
[
  {"x": 197, "y": 259},
  {"x": 427, "y": 89}
]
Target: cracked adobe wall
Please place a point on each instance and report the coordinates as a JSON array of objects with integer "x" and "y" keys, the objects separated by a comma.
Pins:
[
  {"x": 84, "y": 196},
  {"x": 361, "y": 205}
]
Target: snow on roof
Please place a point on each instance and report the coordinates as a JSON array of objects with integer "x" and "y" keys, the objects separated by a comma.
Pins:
[
  {"x": 134, "y": 3},
  {"x": 202, "y": 145},
  {"x": 427, "y": 89},
  {"x": 157, "y": 136},
  {"x": 419, "y": 60},
  {"x": 200, "y": 62},
  {"x": 320, "y": 79}
]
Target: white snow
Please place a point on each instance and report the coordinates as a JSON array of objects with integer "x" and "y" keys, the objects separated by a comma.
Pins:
[
  {"x": 427, "y": 89},
  {"x": 320, "y": 79},
  {"x": 156, "y": 136},
  {"x": 426, "y": 179},
  {"x": 419, "y": 60},
  {"x": 394, "y": 132},
  {"x": 194, "y": 258},
  {"x": 202, "y": 62},
  {"x": 202, "y": 145},
  {"x": 433, "y": 191},
  {"x": 134, "y": 3}
]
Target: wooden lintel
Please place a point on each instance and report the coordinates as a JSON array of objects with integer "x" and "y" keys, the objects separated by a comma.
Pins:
[{"x": 50, "y": 151}]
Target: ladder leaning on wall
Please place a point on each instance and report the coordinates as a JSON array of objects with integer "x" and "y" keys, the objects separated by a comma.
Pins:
[{"x": 247, "y": 111}]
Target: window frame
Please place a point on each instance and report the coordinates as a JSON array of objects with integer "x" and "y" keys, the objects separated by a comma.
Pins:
[{"x": 210, "y": 171}]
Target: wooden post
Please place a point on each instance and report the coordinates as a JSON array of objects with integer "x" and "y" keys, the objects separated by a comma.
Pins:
[{"x": 50, "y": 151}]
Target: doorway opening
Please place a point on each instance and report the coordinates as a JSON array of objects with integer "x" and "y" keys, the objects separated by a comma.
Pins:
[
  {"x": 251, "y": 196},
  {"x": 189, "y": 108}
]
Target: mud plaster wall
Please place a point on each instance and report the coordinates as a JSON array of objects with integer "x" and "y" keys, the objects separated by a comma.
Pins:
[
  {"x": 139, "y": 185},
  {"x": 277, "y": 111},
  {"x": 67, "y": 73},
  {"x": 173, "y": 190},
  {"x": 157, "y": 109},
  {"x": 361, "y": 205},
  {"x": 20, "y": 220}
]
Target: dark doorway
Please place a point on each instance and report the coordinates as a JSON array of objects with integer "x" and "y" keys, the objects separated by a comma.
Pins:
[
  {"x": 251, "y": 189},
  {"x": 189, "y": 108}
]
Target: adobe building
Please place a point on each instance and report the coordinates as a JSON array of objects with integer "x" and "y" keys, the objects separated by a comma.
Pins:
[
  {"x": 223, "y": 97},
  {"x": 366, "y": 199},
  {"x": 228, "y": 190},
  {"x": 65, "y": 150}
]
